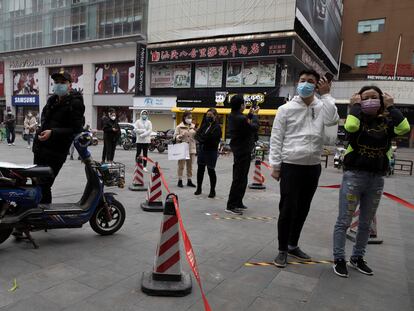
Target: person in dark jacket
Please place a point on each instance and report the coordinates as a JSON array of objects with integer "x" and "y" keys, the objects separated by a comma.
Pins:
[
  {"x": 10, "y": 124},
  {"x": 208, "y": 137},
  {"x": 62, "y": 118},
  {"x": 111, "y": 131},
  {"x": 103, "y": 121},
  {"x": 372, "y": 123},
  {"x": 243, "y": 133}
]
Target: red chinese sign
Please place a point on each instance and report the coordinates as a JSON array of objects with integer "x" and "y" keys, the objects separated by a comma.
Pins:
[
  {"x": 379, "y": 71},
  {"x": 222, "y": 51}
]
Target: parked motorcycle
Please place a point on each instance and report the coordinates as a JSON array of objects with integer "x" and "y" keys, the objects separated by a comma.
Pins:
[
  {"x": 20, "y": 197},
  {"x": 339, "y": 157},
  {"x": 126, "y": 140},
  {"x": 160, "y": 141}
]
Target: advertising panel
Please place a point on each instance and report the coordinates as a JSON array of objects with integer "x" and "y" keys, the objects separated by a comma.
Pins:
[
  {"x": 208, "y": 75},
  {"x": 25, "y": 100},
  {"x": 182, "y": 76},
  {"x": 76, "y": 73},
  {"x": 322, "y": 19},
  {"x": 251, "y": 74},
  {"x": 25, "y": 82},
  {"x": 115, "y": 78},
  {"x": 1, "y": 79},
  {"x": 162, "y": 76},
  {"x": 234, "y": 74},
  {"x": 140, "y": 69}
]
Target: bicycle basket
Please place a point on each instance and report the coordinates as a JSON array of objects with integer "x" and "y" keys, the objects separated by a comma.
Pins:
[{"x": 113, "y": 174}]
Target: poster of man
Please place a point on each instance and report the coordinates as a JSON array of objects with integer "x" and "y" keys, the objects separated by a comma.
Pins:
[
  {"x": 25, "y": 82},
  {"x": 115, "y": 78}
]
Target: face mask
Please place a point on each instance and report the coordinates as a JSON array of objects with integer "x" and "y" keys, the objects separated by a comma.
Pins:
[
  {"x": 113, "y": 117},
  {"x": 29, "y": 115},
  {"x": 305, "y": 89},
  {"x": 370, "y": 106},
  {"x": 209, "y": 119},
  {"x": 144, "y": 117},
  {"x": 188, "y": 121},
  {"x": 60, "y": 89}
]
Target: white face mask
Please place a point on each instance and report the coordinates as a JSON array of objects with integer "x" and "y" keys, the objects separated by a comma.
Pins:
[
  {"x": 29, "y": 115},
  {"x": 188, "y": 121},
  {"x": 113, "y": 117}
]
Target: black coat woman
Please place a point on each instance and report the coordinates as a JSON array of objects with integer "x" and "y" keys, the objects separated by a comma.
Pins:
[{"x": 208, "y": 137}]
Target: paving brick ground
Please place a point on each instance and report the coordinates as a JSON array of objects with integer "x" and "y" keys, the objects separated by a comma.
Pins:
[{"x": 79, "y": 270}]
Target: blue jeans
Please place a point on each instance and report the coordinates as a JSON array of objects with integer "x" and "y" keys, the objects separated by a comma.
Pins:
[{"x": 365, "y": 189}]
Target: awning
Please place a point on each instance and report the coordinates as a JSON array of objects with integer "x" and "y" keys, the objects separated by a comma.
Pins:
[{"x": 262, "y": 112}]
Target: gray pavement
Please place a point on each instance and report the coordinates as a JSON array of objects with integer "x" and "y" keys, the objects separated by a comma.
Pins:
[{"x": 79, "y": 270}]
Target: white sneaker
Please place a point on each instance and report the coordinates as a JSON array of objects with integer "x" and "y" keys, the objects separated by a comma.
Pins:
[
  {"x": 13, "y": 144},
  {"x": 145, "y": 169},
  {"x": 9, "y": 144},
  {"x": 28, "y": 147}
]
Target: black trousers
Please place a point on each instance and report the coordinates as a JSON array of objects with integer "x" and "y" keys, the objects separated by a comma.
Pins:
[
  {"x": 144, "y": 149},
  {"x": 241, "y": 166},
  {"x": 109, "y": 147},
  {"x": 46, "y": 183},
  {"x": 298, "y": 184},
  {"x": 11, "y": 135},
  {"x": 200, "y": 176}
]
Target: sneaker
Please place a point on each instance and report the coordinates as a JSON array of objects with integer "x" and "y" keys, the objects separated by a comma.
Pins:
[
  {"x": 242, "y": 207},
  {"x": 197, "y": 192},
  {"x": 9, "y": 144},
  {"x": 190, "y": 184},
  {"x": 340, "y": 268},
  {"x": 13, "y": 144},
  {"x": 145, "y": 169},
  {"x": 360, "y": 264},
  {"x": 233, "y": 211},
  {"x": 212, "y": 194},
  {"x": 281, "y": 259},
  {"x": 299, "y": 254}
]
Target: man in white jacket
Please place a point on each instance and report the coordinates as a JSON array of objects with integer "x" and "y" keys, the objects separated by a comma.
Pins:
[
  {"x": 295, "y": 149},
  {"x": 143, "y": 130}
]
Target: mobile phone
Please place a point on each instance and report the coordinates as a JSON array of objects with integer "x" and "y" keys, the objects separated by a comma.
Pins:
[{"x": 329, "y": 76}]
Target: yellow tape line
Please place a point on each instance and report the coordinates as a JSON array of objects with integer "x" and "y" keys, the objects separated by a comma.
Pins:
[
  {"x": 264, "y": 264},
  {"x": 245, "y": 218},
  {"x": 15, "y": 286}
]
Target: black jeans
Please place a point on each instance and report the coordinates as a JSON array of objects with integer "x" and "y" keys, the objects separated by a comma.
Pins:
[
  {"x": 46, "y": 183},
  {"x": 241, "y": 168},
  {"x": 298, "y": 184},
  {"x": 109, "y": 147},
  {"x": 144, "y": 148},
  {"x": 11, "y": 135}
]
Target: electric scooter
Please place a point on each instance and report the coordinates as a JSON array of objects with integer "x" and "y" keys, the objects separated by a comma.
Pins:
[{"x": 20, "y": 196}]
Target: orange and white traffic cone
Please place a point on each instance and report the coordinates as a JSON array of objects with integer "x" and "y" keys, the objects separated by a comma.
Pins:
[
  {"x": 258, "y": 178},
  {"x": 167, "y": 279},
  {"x": 153, "y": 202},
  {"x": 352, "y": 232},
  {"x": 138, "y": 180}
]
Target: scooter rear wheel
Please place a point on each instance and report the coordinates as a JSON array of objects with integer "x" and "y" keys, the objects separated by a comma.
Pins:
[
  {"x": 100, "y": 223},
  {"x": 4, "y": 234}
]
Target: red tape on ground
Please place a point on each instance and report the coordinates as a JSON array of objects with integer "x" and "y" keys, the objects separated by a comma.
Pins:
[{"x": 189, "y": 252}]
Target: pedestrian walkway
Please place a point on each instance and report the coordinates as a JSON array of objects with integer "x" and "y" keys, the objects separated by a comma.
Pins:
[{"x": 77, "y": 270}]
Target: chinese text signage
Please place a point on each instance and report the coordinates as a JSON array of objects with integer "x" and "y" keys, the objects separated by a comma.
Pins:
[{"x": 231, "y": 50}]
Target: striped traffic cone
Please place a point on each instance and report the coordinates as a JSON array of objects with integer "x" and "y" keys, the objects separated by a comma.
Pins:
[
  {"x": 167, "y": 279},
  {"x": 373, "y": 237},
  {"x": 138, "y": 180},
  {"x": 258, "y": 178},
  {"x": 153, "y": 202}
]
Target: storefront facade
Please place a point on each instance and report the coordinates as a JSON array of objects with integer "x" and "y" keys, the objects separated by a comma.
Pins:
[{"x": 159, "y": 109}]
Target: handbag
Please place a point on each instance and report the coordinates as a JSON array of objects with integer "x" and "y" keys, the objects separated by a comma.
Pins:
[
  {"x": 178, "y": 152},
  {"x": 330, "y": 135}
]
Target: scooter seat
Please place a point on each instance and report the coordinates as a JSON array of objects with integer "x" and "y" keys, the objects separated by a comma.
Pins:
[{"x": 37, "y": 171}]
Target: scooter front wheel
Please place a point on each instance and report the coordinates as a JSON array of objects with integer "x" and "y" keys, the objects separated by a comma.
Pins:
[
  {"x": 4, "y": 234},
  {"x": 100, "y": 222}
]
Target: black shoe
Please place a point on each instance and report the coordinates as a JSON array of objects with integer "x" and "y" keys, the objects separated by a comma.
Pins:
[
  {"x": 340, "y": 268},
  {"x": 198, "y": 192},
  {"x": 190, "y": 184},
  {"x": 297, "y": 253},
  {"x": 281, "y": 259},
  {"x": 212, "y": 194},
  {"x": 360, "y": 264},
  {"x": 233, "y": 211},
  {"x": 242, "y": 206},
  {"x": 180, "y": 183}
]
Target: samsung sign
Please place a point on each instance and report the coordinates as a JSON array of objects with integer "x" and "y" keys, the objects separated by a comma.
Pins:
[{"x": 25, "y": 100}]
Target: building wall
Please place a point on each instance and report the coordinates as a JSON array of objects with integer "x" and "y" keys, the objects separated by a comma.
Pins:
[
  {"x": 178, "y": 20},
  {"x": 398, "y": 20}
]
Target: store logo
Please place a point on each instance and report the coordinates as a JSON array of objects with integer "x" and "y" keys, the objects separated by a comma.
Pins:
[
  {"x": 249, "y": 99},
  {"x": 25, "y": 100},
  {"x": 148, "y": 102},
  {"x": 220, "y": 98}
]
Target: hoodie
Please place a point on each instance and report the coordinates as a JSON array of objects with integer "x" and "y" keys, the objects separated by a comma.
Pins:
[
  {"x": 143, "y": 129},
  {"x": 298, "y": 131}
]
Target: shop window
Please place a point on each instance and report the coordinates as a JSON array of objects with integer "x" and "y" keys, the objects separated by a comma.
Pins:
[
  {"x": 362, "y": 60},
  {"x": 373, "y": 25},
  {"x": 171, "y": 76}
]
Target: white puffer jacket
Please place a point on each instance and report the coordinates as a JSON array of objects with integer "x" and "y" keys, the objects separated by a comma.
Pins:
[
  {"x": 143, "y": 129},
  {"x": 298, "y": 131}
]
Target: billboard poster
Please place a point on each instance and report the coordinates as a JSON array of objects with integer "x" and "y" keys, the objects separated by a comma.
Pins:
[
  {"x": 250, "y": 73},
  {"x": 1, "y": 79},
  {"x": 215, "y": 75},
  {"x": 76, "y": 73},
  {"x": 267, "y": 73},
  {"x": 323, "y": 20},
  {"x": 140, "y": 69},
  {"x": 201, "y": 75},
  {"x": 115, "y": 78},
  {"x": 162, "y": 76},
  {"x": 25, "y": 82},
  {"x": 234, "y": 74},
  {"x": 182, "y": 76}
]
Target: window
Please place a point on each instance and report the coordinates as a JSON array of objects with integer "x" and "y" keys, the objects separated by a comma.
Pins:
[
  {"x": 362, "y": 60},
  {"x": 373, "y": 25}
]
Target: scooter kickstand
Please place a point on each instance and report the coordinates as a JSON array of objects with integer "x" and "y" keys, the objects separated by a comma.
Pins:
[{"x": 30, "y": 238}]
